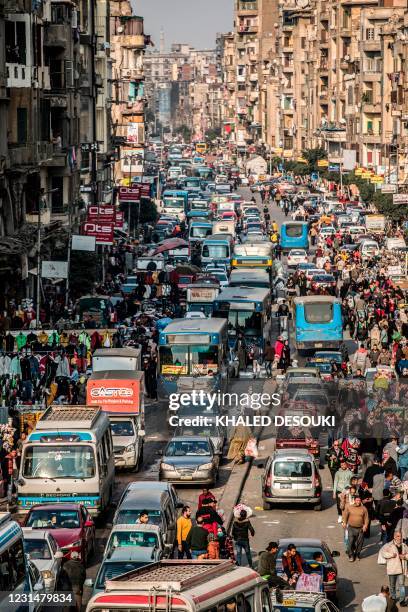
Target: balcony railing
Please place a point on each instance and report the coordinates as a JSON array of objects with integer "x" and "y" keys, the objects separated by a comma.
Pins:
[{"x": 28, "y": 154}]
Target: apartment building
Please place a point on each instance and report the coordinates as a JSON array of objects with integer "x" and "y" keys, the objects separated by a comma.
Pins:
[{"x": 127, "y": 48}]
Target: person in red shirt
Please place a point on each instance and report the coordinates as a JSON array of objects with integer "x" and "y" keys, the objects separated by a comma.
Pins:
[{"x": 206, "y": 494}]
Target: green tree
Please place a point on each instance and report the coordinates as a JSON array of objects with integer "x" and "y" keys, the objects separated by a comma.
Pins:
[
  {"x": 312, "y": 156},
  {"x": 185, "y": 132}
]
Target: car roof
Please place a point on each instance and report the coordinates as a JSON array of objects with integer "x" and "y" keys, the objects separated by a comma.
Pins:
[
  {"x": 35, "y": 534},
  {"x": 301, "y": 542},
  {"x": 293, "y": 452},
  {"x": 53, "y": 507},
  {"x": 190, "y": 438},
  {"x": 149, "y": 500},
  {"x": 149, "y": 485}
]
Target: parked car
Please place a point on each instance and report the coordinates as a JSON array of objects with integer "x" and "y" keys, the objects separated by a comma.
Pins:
[
  {"x": 306, "y": 547},
  {"x": 291, "y": 476},
  {"x": 71, "y": 525},
  {"x": 188, "y": 459},
  {"x": 44, "y": 552}
]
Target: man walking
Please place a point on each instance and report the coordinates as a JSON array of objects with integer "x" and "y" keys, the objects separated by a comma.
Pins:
[
  {"x": 241, "y": 528},
  {"x": 395, "y": 554},
  {"x": 197, "y": 539},
  {"x": 341, "y": 480},
  {"x": 355, "y": 520},
  {"x": 184, "y": 525},
  {"x": 334, "y": 458},
  {"x": 73, "y": 578}
]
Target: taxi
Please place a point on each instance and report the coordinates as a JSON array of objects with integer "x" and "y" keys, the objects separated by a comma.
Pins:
[{"x": 295, "y": 601}]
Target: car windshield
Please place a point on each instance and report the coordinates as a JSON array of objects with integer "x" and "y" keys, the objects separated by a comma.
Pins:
[
  {"x": 122, "y": 428},
  {"x": 302, "y": 469},
  {"x": 188, "y": 448},
  {"x": 53, "y": 519},
  {"x": 131, "y": 516},
  {"x": 309, "y": 398},
  {"x": 110, "y": 570},
  {"x": 53, "y": 461},
  {"x": 37, "y": 549},
  {"x": 132, "y": 538}
]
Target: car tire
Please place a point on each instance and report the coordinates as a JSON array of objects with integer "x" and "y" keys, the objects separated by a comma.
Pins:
[
  {"x": 266, "y": 505},
  {"x": 317, "y": 507}
]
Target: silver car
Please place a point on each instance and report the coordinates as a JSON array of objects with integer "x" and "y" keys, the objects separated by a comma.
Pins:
[
  {"x": 44, "y": 552},
  {"x": 216, "y": 434},
  {"x": 189, "y": 459}
]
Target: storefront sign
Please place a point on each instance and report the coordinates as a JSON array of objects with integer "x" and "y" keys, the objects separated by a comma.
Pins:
[
  {"x": 83, "y": 243},
  {"x": 119, "y": 220},
  {"x": 105, "y": 214},
  {"x": 115, "y": 395},
  {"x": 129, "y": 194},
  {"x": 54, "y": 269},
  {"x": 103, "y": 232},
  {"x": 400, "y": 198}
]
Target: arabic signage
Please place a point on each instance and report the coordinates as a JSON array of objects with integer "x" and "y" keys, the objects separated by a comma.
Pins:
[
  {"x": 103, "y": 232},
  {"x": 400, "y": 198}
]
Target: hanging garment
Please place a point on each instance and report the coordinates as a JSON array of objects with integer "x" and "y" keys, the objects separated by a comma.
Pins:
[
  {"x": 21, "y": 341},
  {"x": 5, "y": 362},
  {"x": 62, "y": 366},
  {"x": 15, "y": 369}
]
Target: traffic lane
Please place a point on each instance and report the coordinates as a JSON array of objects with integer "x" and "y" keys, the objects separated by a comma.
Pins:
[
  {"x": 356, "y": 580},
  {"x": 158, "y": 433}
]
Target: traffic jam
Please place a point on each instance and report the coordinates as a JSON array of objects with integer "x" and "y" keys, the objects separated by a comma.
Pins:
[{"x": 237, "y": 440}]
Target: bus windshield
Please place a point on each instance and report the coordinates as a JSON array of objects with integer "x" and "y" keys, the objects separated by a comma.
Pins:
[
  {"x": 318, "y": 312},
  {"x": 245, "y": 320},
  {"x": 193, "y": 360},
  {"x": 173, "y": 202},
  {"x": 200, "y": 232},
  {"x": 294, "y": 231},
  {"x": 215, "y": 250},
  {"x": 54, "y": 461}
]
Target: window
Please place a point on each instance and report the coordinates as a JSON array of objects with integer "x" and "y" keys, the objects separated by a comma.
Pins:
[
  {"x": 22, "y": 125},
  {"x": 319, "y": 312},
  {"x": 16, "y": 49},
  {"x": 57, "y": 197},
  {"x": 59, "y": 461},
  {"x": 294, "y": 231},
  {"x": 292, "y": 469},
  {"x": 13, "y": 569},
  {"x": 370, "y": 33}
]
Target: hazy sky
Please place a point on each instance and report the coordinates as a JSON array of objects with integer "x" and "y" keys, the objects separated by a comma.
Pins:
[{"x": 186, "y": 21}]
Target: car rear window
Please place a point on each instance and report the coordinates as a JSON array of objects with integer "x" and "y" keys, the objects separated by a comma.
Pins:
[{"x": 302, "y": 469}]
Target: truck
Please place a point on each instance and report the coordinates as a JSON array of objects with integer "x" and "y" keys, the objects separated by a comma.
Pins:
[
  {"x": 375, "y": 223},
  {"x": 120, "y": 393}
]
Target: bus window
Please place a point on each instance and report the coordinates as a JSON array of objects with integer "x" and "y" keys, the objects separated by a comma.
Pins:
[
  {"x": 266, "y": 602},
  {"x": 294, "y": 231},
  {"x": 173, "y": 360},
  {"x": 228, "y": 606},
  {"x": 12, "y": 567},
  {"x": 249, "y": 602},
  {"x": 204, "y": 359},
  {"x": 318, "y": 312}
]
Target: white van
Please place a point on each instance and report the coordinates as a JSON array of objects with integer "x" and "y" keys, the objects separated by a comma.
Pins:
[
  {"x": 368, "y": 249},
  {"x": 68, "y": 458}
]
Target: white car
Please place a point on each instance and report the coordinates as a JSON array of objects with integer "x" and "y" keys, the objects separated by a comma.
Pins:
[
  {"x": 44, "y": 552},
  {"x": 297, "y": 256}
]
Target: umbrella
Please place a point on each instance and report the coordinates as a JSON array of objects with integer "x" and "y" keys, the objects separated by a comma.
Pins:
[{"x": 170, "y": 244}]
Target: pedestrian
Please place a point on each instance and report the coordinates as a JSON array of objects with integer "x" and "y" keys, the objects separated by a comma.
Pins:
[
  {"x": 73, "y": 576},
  {"x": 267, "y": 566},
  {"x": 341, "y": 481},
  {"x": 184, "y": 525},
  {"x": 334, "y": 458},
  {"x": 211, "y": 519},
  {"x": 197, "y": 539},
  {"x": 402, "y": 462},
  {"x": 379, "y": 603},
  {"x": 355, "y": 521},
  {"x": 269, "y": 356},
  {"x": 395, "y": 554},
  {"x": 143, "y": 517},
  {"x": 384, "y": 510},
  {"x": 206, "y": 494},
  {"x": 241, "y": 530},
  {"x": 392, "y": 448}
]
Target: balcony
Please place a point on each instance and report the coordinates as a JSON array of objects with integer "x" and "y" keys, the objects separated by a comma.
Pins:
[
  {"x": 242, "y": 111},
  {"x": 18, "y": 75},
  {"x": 45, "y": 217},
  {"x": 136, "y": 41},
  {"x": 287, "y": 67},
  {"x": 335, "y": 135},
  {"x": 324, "y": 42},
  {"x": 324, "y": 97},
  {"x": 324, "y": 16},
  {"x": 287, "y": 49},
  {"x": 30, "y": 154},
  {"x": 241, "y": 78},
  {"x": 58, "y": 159},
  {"x": 253, "y": 77},
  {"x": 371, "y": 45},
  {"x": 287, "y": 111},
  {"x": 253, "y": 96},
  {"x": 247, "y": 29},
  {"x": 345, "y": 31},
  {"x": 57, "y": 35},
  {"x": 371, "y": 138},
  {"x": 371, "y": 108},
  {"x": 323, "y": 69}
]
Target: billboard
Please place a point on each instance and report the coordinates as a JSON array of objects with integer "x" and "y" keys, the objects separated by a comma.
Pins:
[
  {"x": 103, "y": 232},
  {"x": 104, "y": 214},
  {"x": 115, "y": 395},
  {"x": 83, "y": 243},
  {"x": 129, "y": 194}
]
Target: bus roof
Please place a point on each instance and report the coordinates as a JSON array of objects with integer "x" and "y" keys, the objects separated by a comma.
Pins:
[
  {"x": 244, "y": 275},
  {"x": 195, "y": 326},
  {"x": 313, "y": 299},
  {"x": 243, "y": 294},
  {"x": 251, "y": 249},
  {"x": 71, "y": 417},
  {"x": 9, "y": 530},
  {"x": 294, "y": 223},
  {"x": 127, "y": 351}
]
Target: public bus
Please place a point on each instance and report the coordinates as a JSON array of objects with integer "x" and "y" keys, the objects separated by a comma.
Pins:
[
  {"x": 193, "y": 353},
  {"x": 294, "y": 235},
  {"x": 318, "y": 322},
  {"x": 248, "y": 311},
  {"x": 174, "y": 202},
  {"x": 250, "y": 277},
  {"x": 68, "y": 458},
  {"x": 201, "y": 296},
  {"x": 185, "y": 586},
  {"x": 253, "y": 255},
  {"x": 217, "y": 249}
]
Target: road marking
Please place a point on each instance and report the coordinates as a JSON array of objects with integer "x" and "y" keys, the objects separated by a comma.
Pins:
[
  {"x": 258, "y": 508},
  {"x": 271, "y": 522},
  {"x": 331, "y": 526},
  {"x": 291, "y": 512}
]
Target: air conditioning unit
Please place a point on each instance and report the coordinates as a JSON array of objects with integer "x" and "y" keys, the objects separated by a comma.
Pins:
[
  {"x": 346, "y": 58},
  {"x": 120, "y": 29}
]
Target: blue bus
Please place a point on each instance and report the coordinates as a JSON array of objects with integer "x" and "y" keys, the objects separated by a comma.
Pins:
[
  {"x": 248, "y": 310},
  {"x": 294, "y": 235},
  {"x": 193, "y": 354},
  {"x": 217, "y": 249},
  {"x": 318, "y": 322}
]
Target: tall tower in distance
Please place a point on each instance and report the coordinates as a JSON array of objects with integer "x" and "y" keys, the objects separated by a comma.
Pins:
[{"x": 162, "y": 41}]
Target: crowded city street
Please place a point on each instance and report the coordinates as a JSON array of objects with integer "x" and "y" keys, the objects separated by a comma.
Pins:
[{"x": 204, "y": 306}]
